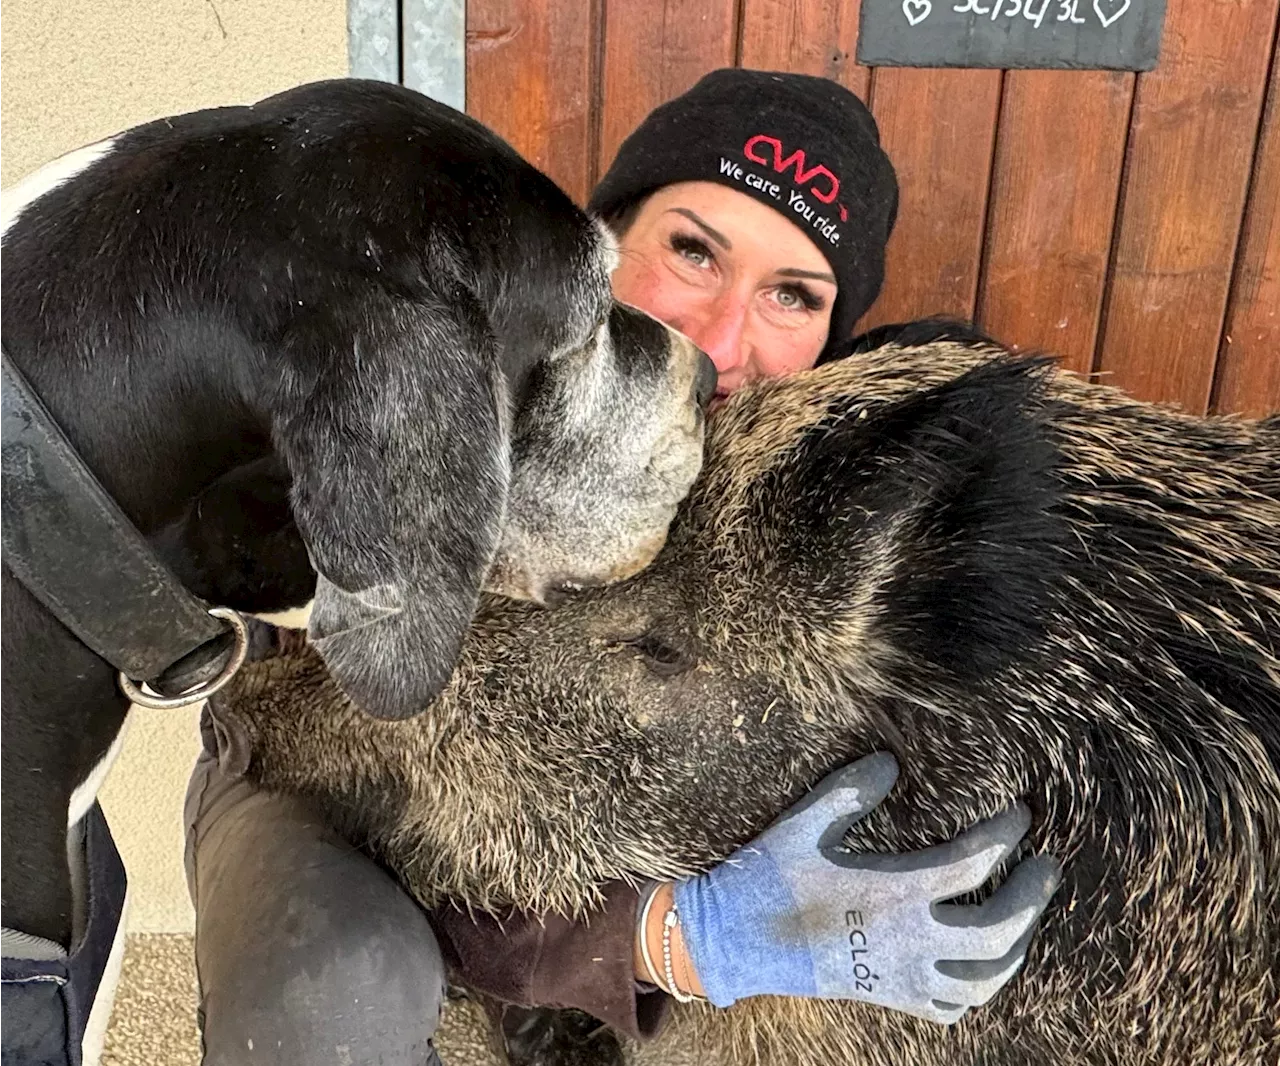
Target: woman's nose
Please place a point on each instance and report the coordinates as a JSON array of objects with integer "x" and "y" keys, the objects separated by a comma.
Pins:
[{"x": 720, "y": 332}]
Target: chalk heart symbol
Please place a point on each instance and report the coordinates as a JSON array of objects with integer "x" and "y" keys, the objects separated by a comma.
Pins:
[
  {"x": 918, "y": 10},
  {"x": 1107, "y": 10}
]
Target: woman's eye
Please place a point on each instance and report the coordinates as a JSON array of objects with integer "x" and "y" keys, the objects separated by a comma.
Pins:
[
  {"x": 692, "y": 250},
  {"x": 797, "y": 298}
]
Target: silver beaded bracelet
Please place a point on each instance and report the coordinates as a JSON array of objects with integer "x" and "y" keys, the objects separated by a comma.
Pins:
[{"x": 670, "y": 920}]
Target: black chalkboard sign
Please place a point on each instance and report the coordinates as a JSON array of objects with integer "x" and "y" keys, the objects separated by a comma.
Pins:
[{"x": 1072, "y": 34}]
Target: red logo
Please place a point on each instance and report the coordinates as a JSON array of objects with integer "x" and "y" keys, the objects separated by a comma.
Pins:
[{"x": 802, "y": 175}]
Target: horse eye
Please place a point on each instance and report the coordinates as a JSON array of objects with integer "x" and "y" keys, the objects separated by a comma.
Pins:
[{"x": 664, "y": 659}]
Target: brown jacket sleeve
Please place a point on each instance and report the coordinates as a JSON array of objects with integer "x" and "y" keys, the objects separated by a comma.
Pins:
[{"x": 553, "y": 962}]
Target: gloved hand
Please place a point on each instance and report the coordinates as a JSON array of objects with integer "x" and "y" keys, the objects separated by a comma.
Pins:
[{"x": 796, "y": 914}]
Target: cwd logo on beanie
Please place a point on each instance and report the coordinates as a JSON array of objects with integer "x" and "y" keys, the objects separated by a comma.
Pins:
[{"x": 813, "y": 177}]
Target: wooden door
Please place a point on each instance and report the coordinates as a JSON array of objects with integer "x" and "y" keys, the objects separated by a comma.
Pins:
[{"x": 1129, "y": 223}]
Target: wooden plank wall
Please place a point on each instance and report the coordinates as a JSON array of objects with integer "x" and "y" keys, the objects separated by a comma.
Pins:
[{"x": 1130, "y": 223}]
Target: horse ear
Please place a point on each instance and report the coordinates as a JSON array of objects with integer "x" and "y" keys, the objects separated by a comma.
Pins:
[
  {"x": 397, "y": 445},
  {"x": 943, "y": 502}
]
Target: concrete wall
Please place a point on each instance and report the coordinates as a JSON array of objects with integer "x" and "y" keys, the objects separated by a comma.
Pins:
[{"x": 71, "y": 72}]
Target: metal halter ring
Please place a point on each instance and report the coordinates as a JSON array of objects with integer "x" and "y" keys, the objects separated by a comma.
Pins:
[{"x": 144, "y": 695}]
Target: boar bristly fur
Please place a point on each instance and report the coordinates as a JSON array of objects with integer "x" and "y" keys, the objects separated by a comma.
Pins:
[{"x": 1022, "y": 585}]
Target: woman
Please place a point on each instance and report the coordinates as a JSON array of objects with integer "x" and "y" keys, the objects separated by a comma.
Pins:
[{"x": 752, "y": 214}]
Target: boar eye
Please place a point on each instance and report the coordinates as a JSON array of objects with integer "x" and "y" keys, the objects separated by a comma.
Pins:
[{"x": 665, "y": 660}]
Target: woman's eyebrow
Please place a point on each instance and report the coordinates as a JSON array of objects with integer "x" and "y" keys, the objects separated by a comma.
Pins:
[
  {"x": 711, "y": 232},
  {"x": 794, "y": 272}
]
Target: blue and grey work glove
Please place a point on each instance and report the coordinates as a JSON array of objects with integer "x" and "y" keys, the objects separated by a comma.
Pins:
[{"x": 797, "y": 914}]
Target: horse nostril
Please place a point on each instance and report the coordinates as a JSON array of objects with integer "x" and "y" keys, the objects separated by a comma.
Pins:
[{"x": 705, "y": 383}]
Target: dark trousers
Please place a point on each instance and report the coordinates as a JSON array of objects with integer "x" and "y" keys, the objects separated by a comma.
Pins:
[{"x": 308, "y": 953}]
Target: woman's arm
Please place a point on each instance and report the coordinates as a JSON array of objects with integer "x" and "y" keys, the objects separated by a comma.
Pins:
[
  {"x": 793, "y": 913},
  {"x": 555, "y": 962},
  {"x": 682, "y": 969}
]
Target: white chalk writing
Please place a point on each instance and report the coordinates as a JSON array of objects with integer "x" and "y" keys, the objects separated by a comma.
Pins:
[
  {"x": 1107, "y": 11},
  {"x": 1067, "y": 12},
  {"x": 1013, "y": 8},
  {"x": 916, "y": 10}
]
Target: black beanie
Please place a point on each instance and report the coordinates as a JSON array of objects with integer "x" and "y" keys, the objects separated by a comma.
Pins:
[{"x": 803, "y": 145}]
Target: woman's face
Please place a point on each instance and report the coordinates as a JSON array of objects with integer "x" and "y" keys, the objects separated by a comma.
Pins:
[{"x": 734, "y": 275}]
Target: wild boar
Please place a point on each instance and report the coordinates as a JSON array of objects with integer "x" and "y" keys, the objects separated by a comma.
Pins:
[{"x": 1022, "y": 585}]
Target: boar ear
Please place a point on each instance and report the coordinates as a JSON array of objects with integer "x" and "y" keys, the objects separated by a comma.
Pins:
[
  {"x": 946, "y": 500},
  {"x": 394, "y": 428}
]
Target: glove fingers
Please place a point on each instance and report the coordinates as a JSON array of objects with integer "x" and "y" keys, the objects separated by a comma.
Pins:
[
  {"x": 844, "y": 796},
  {"x": 975, "y": 982},
  {"x": 964, "y": 864},
  {"x": 939, "y": 1011},
  {"x": 989, "y": 930}
]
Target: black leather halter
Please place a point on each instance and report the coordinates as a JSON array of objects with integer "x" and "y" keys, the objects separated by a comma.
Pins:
[{"x": 78, "y": 553}]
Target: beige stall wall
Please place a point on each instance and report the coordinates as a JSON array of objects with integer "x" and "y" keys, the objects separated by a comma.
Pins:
[{"x": 74, "y": 71}]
